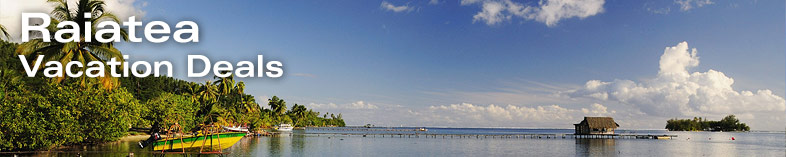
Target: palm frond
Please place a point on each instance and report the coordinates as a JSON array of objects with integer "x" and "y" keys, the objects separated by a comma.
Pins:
[
  {"x": 4, "y": 32},
  {"x": 61, "y": 11},
  {"x": 106, "y": 53}
]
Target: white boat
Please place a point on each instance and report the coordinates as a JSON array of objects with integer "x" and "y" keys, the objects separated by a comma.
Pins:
[
  {"x": 236, "y": 129},
  {"x": 284, "y": 127}
]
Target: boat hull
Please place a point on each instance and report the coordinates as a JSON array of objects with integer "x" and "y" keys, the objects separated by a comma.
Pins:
[
  {"x": 284, "y": 129},
  {"x": 218, "y": 141}
]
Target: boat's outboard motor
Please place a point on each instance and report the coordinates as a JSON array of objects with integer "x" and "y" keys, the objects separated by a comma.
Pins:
[{"x": 153, "y": 138}]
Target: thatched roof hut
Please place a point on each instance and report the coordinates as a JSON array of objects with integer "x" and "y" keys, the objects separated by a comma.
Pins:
[{"x": 596, "y": 125}]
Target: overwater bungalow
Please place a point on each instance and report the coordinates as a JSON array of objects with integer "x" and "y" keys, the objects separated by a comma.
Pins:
[{"x": 596, "y": 126}]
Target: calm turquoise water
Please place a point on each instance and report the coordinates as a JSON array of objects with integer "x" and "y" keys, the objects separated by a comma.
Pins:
[{"x": 307, "y": 143}]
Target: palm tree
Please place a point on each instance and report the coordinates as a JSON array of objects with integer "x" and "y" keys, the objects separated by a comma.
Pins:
[
  {"x": 225, "y": 84},
  {"x": 248, "y": 103},
  {"x": 193, "y": 91},
  {"x": 240, "y": 87},
  {"x": 81, "y": 50},
  {"x": 278, "y": 106},
  {"x": 300, "y": 112},
  {"x": 207, "y": 95}
]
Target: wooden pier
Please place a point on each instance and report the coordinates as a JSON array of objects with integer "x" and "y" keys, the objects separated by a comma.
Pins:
[
  {"x": 361, "y": 129},
  {"x": 415, "y": 133},
  {"x": 503, "y": 136}
]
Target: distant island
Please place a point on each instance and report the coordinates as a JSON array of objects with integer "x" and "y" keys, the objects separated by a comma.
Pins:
[{"x": 728, "y": 123}]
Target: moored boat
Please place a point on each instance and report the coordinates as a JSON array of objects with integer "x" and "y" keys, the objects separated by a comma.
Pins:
[
  {"x": 217, "y": 141},
  {"x": 236, "y": 129},
  {"x": 283, "y": 127}
]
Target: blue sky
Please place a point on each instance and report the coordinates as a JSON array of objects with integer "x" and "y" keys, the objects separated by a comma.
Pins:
[
  {"x": 390, "y": 62},
  {"x": 349, "y": 51}
]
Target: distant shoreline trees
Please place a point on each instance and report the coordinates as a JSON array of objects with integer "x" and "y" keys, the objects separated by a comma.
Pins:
[
  {"x": 299, "y": 115},
  {"x": 728, "y": 123}
]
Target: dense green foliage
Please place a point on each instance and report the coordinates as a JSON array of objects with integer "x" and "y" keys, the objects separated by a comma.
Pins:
[
  {"x": 299, "y": 115},
  {"x": 168, "y": 108},
  {"x": 38, "y": 113},
  {"x": 728, "y": 123}
]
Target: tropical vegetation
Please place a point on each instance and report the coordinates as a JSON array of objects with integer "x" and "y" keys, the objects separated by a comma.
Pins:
[
  {"x": 728, "y": 123},
  {"x": 41, "y": 113},
  {"x": 81, "y": 51}
]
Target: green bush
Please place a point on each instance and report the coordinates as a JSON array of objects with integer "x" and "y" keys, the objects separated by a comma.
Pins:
[
  {"x": 168, "y": 108},
  {"x": 67, "y": 115},
  {"x": 30, "y": 121}
]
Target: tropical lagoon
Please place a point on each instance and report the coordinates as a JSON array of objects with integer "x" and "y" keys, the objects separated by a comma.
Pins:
[
  {"x": 485, "y": 142},
  {"x": 70, "y": 85}
]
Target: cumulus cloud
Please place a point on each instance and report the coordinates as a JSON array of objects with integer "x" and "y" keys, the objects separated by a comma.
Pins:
[
  {"x": 390, "y": 7},
  {"x": 549, "y": 12},
  {"x": 11, "y": 11},
  {"x": 686, "y": 5},
  {"x": 597, "y": 110},
  {"x": 353, "y": 105},
  {"x": 675, "y": 91}
]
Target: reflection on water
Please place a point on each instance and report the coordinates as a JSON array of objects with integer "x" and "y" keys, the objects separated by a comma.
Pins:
[
  {"x": 687, "y": 144},
  {"x": 596, "y": 147},
  {"x": 300, "y": 144}
]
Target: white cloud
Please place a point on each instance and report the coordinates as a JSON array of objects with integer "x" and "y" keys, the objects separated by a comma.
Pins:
[
  {"x": 322, "y": 106},
  {"x": 597, "y": 110},
  {"x": 11, "y": 11},
  {"x": 362, "y": 105},
  {"x": 664, "y": 11},
  {"x": 549, "y": 12},
  {"x": 390, "y": 7},
  {"x": 686, "y": 5},
  {"x": 492, "y": 13},
  {"x": 433, "y": 2},
  {"x": 352, "y": 106},
  {"x": 677, "y": 92}
]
